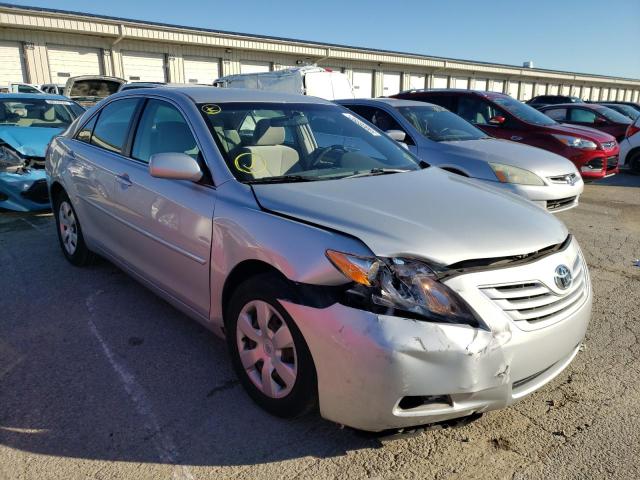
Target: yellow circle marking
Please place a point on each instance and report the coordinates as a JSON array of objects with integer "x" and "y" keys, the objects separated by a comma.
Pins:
[
  {"x": 252, "y": 168},
  {"x": 211, "y": 109}
]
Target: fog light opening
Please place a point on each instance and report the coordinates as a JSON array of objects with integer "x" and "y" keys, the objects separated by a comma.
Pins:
[{"x": 420, "y": 401}]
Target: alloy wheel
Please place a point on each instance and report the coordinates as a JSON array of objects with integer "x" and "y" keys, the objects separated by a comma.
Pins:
[{"x": 267, "y": 351}]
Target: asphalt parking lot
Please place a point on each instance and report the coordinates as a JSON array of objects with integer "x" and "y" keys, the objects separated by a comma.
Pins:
[{"x": 101, "y": 379}]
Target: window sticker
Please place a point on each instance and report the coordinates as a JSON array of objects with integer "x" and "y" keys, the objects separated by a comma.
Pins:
[
  {"x": 250, "y": 163},
  {"x": 361, "y": 124},
  {"x": 211, "y": 109},
  {"x": 58, "y": 102}
]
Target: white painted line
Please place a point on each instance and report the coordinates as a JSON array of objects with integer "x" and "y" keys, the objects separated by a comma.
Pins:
[{"x": 163, "y": 443}]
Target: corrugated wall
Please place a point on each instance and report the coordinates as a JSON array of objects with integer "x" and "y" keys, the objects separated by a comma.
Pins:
[{"x": 35, "y": 30}]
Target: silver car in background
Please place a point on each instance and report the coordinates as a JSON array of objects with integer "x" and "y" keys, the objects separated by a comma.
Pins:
[
  {"x": 446, "y": 140},
  {"x": 344, "y": 273}
]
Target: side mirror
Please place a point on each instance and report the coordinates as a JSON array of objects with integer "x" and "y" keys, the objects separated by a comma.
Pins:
[
  {"x": 174, "y": 165},
  {"x": 397, "y": 135},
  {"x": 497, "y": 120}
]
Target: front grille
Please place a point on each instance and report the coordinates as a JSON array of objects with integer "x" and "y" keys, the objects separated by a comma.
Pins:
[
  {"x": 560, "y": 203},
  {"x": 534, "y": 302},
  {"x": 569, "y": 179},
  {"x": 37, "y": 192},
  {"x": 608, "y": 145},
  {"x": 612, "y": 162}
]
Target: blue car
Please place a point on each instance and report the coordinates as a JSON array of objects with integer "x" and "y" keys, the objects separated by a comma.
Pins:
[{"x": 28, "y": 122}]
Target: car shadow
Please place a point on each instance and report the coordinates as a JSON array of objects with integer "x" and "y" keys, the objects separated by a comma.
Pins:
[
  {"x": 95, "y": 366},
  {"x": 623, "y": 179}
]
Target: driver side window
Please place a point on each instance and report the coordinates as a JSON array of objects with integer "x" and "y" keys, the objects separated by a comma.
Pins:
[{"x": 477, "y": 111}]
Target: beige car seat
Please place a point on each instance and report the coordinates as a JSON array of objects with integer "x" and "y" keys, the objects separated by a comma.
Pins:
[{"x": 267, "y": 156}]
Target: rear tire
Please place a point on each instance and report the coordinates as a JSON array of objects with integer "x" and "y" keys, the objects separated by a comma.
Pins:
[
  {"x": 268, "y": 352},
  {"x": 70, "y": 235}
]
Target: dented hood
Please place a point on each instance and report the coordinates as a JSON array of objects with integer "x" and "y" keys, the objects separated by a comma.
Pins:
[
  {"x": 429, "y": 214},
  {"x": 28, "y": 141}
]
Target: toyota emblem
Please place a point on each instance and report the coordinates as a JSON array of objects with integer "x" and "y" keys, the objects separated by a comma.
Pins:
[{"x": 563, "y": 277}]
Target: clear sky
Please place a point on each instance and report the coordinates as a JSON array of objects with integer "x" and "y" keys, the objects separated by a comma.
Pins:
[{"x": 590, "y": 36}]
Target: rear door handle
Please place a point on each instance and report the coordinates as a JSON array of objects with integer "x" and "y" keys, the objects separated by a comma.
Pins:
[{"x": 124, "y": 180}]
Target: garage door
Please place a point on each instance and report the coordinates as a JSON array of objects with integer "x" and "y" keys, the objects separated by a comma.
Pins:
[
  {"x": 480, "y": 84},
  {"x": 144, "y": 67},
  {"x": 513, "y": 89},
  {"x": 12, "y": 64},
  {"x": 595, "y": 94},
  {"x": 497, "y": 86},
  {"x": 201, "y": 70},
  {"x": 363, "y": 83},
  {"x": 254, "y": 67},
  {"x": 439, "y": 81},
  {"x": 526, "y": 92},
  {"x": 390, "y": 83},
  {"x": 65, "y": 62},
  {"x": 586, "y": 93},
  {"x": 460, "y": 82},
  {"x": 565, "y": 90},
  {"x": 541, "y": 89},
  {"x": 552, "y": 90},
  {"x": 416, "y": 81}
]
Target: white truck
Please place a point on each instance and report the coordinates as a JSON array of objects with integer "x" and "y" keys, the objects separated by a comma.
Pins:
[{"x": 309, "y": 80}]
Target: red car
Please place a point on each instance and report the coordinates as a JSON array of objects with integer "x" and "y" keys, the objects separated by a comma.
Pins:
[
  {"x": 590, "y": 115},
  {"x": 594, "y": 153}
]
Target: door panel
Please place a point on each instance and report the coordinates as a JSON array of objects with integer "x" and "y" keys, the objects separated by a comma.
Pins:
[
  {"x": 167, "y": 231},
  {"x": 167, "y": 223}
]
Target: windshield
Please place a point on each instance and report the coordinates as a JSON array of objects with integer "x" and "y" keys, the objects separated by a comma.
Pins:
[
  {"x": 523, "y": 111},
  {"x": 614, "y": 116},
  {"x": 31, "y": 112},
  {"x": 301, "y": 142},
  {"x": 94, "y": 88},
  {"x": 439, "y": 124}
]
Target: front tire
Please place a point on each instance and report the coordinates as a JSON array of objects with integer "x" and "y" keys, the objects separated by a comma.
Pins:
[
  {"x": 634, "y": 163},
  {"x": 70, "y": 235},
  {"x": 268, "y": 352}
]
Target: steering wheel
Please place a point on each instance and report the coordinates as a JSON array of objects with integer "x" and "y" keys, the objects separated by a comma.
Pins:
[{"x": 323, "y": 152}]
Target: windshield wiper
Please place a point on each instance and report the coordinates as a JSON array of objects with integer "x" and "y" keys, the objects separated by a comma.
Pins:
[
  {"x": 378, "y": 171},
  {"x": 281, "y": 179}
]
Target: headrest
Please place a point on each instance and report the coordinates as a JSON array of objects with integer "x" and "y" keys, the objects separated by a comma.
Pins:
[
  {"x": 49, "y": 114},
  {"x": 266, "y": 134}
]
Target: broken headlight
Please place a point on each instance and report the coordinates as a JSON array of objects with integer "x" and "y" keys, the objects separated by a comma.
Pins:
[
  {"x": 404, "y": 287},
  {"x": 9, "y": 158}
]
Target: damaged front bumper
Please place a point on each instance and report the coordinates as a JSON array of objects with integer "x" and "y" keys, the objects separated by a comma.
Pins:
[
  {"x": 378, "y": 372},
  {"x": 24, "y": 190}
]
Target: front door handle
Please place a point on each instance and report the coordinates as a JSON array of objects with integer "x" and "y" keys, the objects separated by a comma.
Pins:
[
  {"x": 516, "y": 138},
  {"x": 124, "y": 180}
]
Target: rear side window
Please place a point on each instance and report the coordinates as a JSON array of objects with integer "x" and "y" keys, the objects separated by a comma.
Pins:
[
  {"x": 581, "y": 115},
  {"x": 163, "y": 129},
  {"x": 84, "y": 135},
  {"x": 558, "y": 114},
  {"x": 477, "y": 111},
  {"x": 112, "y": 128}
]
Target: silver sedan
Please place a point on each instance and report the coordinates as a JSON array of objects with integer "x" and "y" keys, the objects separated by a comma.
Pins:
[
  {"x": 344, "y": 273},
  {"x": 448, "y": 141}
]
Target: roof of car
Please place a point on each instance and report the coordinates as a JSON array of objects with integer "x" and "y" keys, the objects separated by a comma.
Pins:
[
  {"x": 594, "y": 106},
  {"x": 32, "y": 96},
  {"x": 393, "y": 102},
  {"x": 206, "y": 94},
  {"x": 485, "y": 93}
]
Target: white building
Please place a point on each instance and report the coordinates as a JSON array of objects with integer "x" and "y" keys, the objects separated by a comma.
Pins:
[{"x": 39, "y": 45}]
